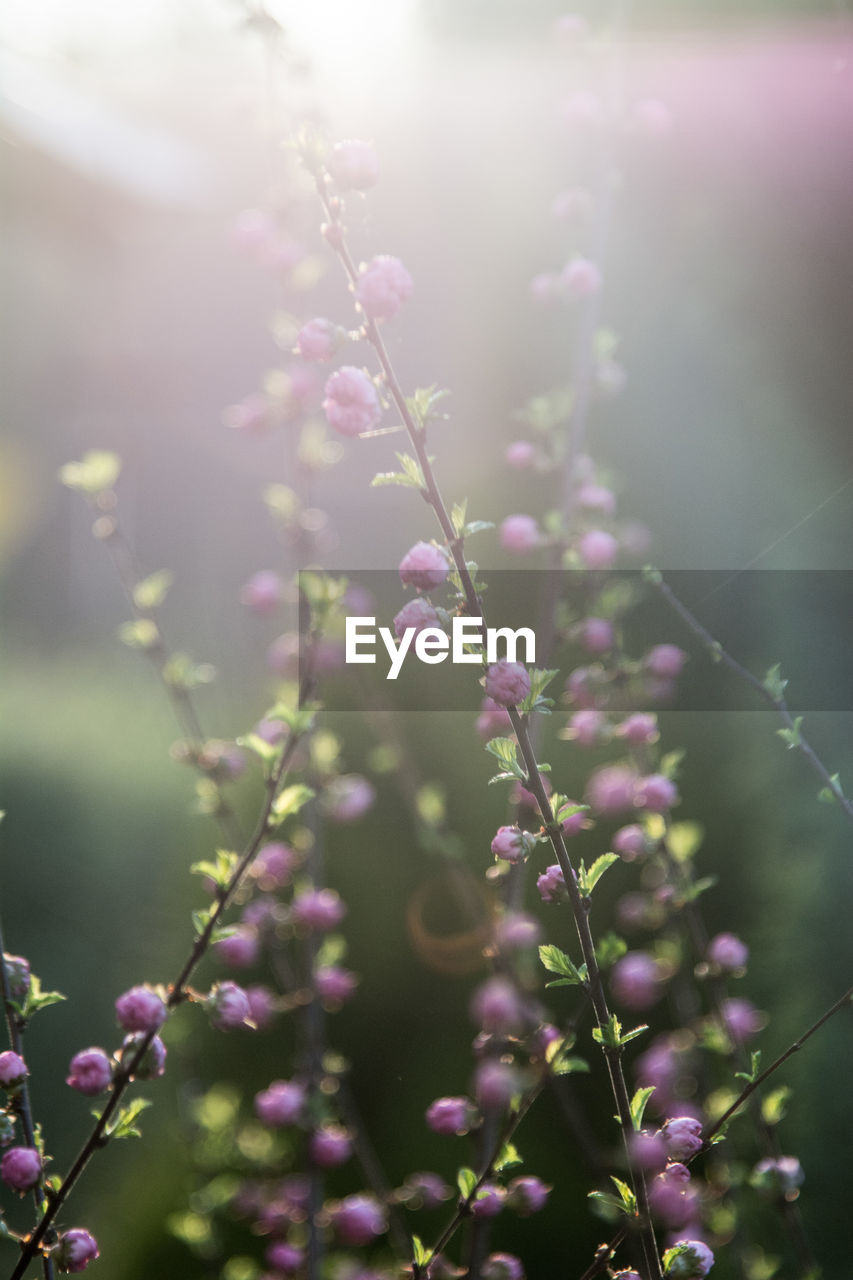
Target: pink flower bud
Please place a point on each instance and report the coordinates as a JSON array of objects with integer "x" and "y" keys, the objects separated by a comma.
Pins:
[
  {"x": 451, "y": 1116},
  {"x": 507, "y": 683},
  {"x": 318, "y": 340},
  {"x": 251, "y": 416},
  {"x": 497, "y": 1007},
  {"x": 671, "y": 1197},
  {"x": 656, "y": 793},
  {"x": 520, "y": 454},
  {"x": 273, "y": 865},
  {"x": 152, "y": 1064},
  {"x": 281, "y": 1104},
  {"x": 597, "y": 549},
  {"x": 284, "y": 1257},
  {"x": 682, "y": 1137},
  {"x": 665, "y": 661},
  {"x": 502, "y": 1266},
  {"x": 596, "y": 497},
  {"x": 635, "y": 980},
  {"x": 552, "y": 885},
  {"x": 493, "y": 720},
  {"x": 688, "y": 1260},
  {"x": 596, "y": 635},
  {"x": 611, "y": 789},
  {"x": 353, "y": 164},
  {"x": 140, "y": 1009},
  {"x": 511, "y": 844},
  {"x": 581, "y": 278},
  {"x": 90, "y": 1072},
  {"x": 741, "y": 1019},
  {"x": 527, "y": 1195},
  {"x": 334, "y": 985},
  {"x": 228, "y": 1006},
  {"x": 639, "y": 729},
  {"x": 417, "y": 613},
  {"x": 241, "y": 949},
  {"x": 727, "y": 952},
  {"x": 318, "y": 910},
  {"x": 488, "y": 1201},
  {"x": 382, "y": 287},
  {"x": 330, "y": 1146},
  {"x": 424, "y": 566},
  {"x": 20, "y": 1168},
  {"x": 629, "y": 842},
  {"x": 17, "y": 976},
  {"x": 648, "y": 1150},
  {"x": 519, "y": 534},
  {"x": 424, "y": 1191},
  {"x": 13, "y": 1069},
  {"x": 349, "y": 797},
  {"x": 495, "y": 1085},
  {"x": 352, "y": 403},
  {"x": 263, "y": 592},
  {"x": 76, "y": 1249},
  {"x": 780, "y": 1175},
  {"x": 517, "y": 931},
  {"x": 262, "y": 1006},
  {"x": 358, "y": 1219},
  {"x": 587, "y": 727}
]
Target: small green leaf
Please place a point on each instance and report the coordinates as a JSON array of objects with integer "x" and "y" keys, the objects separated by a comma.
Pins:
[
  {"x": 97, "y": 471},
  {"x": 466, "y": 1181},
  {"x": 477, "y": 526},
  {"x": 792, "y": 737},
  {"x": 37, "y": 999},
  {"x": 774, "y": 1105},
  {"x": 774, "y": 683},
  {"x": 626, "y": 1195},
  {"x": 152, "y": 591},
  {"x": 638, "y": 1105},
  {"x": 291, "y": 800},
  {"x": 683, "y": 839},
  {"x": 504, "y": 750},
  {"x": 420, "y": 1254},
  {"x": 556, "y": 961},
  {"x": 755, "y": 1068},
  {"x": 142, "y": 633},
  {"x": 698, "y": 887},
  {"x": 200, "y": 919},
  {"x": 539, "y": 681},
  {"x": 829, "y": 796},
  {"x": 124, "y": 1125},
  {"x": 609, "y": 949},
  {"x": 457, "y": 516},
  {"x": 588, "y": 879},
  {"x": 507, "y": 1158}
]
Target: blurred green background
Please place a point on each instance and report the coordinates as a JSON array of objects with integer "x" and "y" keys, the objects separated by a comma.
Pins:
[{"x": 128, "y": 146}]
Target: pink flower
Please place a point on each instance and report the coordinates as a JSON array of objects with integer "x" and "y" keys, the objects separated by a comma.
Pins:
[
  {"x": 552, "y": 885},
  {"x": 502, "y": 1266},
  {"x": 354, "y": 164},
  {"x": 417, "y": 613},
  {"x": 450, "y": 1116},
  {"x": 352, "y": 403},
  {"x": 330, "y": 1146},
  {"x": 358, "y": 1219},
  {"x": 349, "y": 797},
  {"x": 511, "y": 844},
  {"x": 682, "y": 1136},
  {"x": 587, "y": 727},
  {"x": 13, "y": 1069},
  {"x": 334, "y": 984},
  {"x": 382, "y": 287},
  {"x": 639, "y": 729},
  {"x": 152, "y": 1064},
  {"x": 284, "y": 1257},
  {"x": 262, "y": 1005},
  {"x": 281, "y": 1104},
  {"x": 671, "y": 1197},
  {"x": 424, "y": 566},
  {"x": 90, "y": 1072},
  {"x": 241, "y": 949},
  {"x": 318, "y": 910},
  {"x": 76, "y": 1249},
  {"x": 495, "y": 1085},
  {"x": 665, "y": 661},
  {"x": 611, "y": 788},
  {"x": 648, "y": 1149},
  {"x": 596, "y": 497},
  {"x": 597, "y": 549},
  {"x": 629, "y": 842},
  {"x": 318, "y": 340},
  {"x": 517, "y": 931},
  {"x": 527, "y": 1195},
  {"x": 727, "y": 952},
  {"x": 488, "y": 1201},
  {"x": 424, "y": 1190},
  {"x": 520, "y": 454},
  {"x": 635, "y": 981},
  {"x": 493, "y": 720},
  {"x": 140, "y": 1009},
  {"x": 507, "y": 683},
  {"x": 519, "y": 534},
  {"x": 228, "y": 1006},
  {"x": 263, "y": 592},
  {"x": 251, "y": 416},
  {"x": 741, "y": 1019},
  {"x": 20, "y": 1168},
  {"x": 581, "y": 278},
  {"x": 17, "y": 975},
  {"x": 273, "y": 865},
  {"x": 596, "y": 635},
  {"x": 656, "y": 793},
  {"x": 497, "y": 1007},
  {"x": 693, "y": 1260}
]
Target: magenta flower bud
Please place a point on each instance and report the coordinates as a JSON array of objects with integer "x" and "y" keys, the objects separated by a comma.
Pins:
[
  {"x": 648, "y": 1150},
  {"x": 495, "y": 1085},
  {"x": 20, "y": 1168},
  {"x": 493, "y": 720},
  {"x": 451, "y": 1116},
  {"x": 334, "y": 985},
  {"x": 284, "y": 1257},
  {"x": 596, "y": 635},
  {"x": 587, "y": 726},
  {"x": 520, "y": 454},
  {"x": 551, "y": 885},
  {"x": 90, "y": 1072},
  {"x": 262, "y": 913},
  {"x": 627, "y": 1275},
  {"x": 639, "y": 729},
  {"x": 228, "y": 1005},
  {"x": 272, "y": 731},
  {"x": 511, "y": 844},
  {"x": 741, "y": 1019},
  {"x": 782, "y": 1175},
  {"x": 352, "y": 403},
  {"x": 152, "y": 1064},
  {"x": 527, "y": 1195},
  {"x": 263, "y": 592},
  {"x": 281, "y": 1104},
  {"x": 241, "y": 949},
  {"x": 273, "y": 866},
  {"x": 318, "y": 910},
  {"x": 727, "y": 952},
  {"x": 581, "y": 687},
  {"x": 682, "y": 1136},
  {"x": 581, "y": 278},
  {"x": 502, "y": 1266},
  {"x": 672, "y": 1199},
  {"x": 358, "y": 1219},
  {"x": 17, "y": 976},
  {"x": 517, "y": 931},
  {"x": 496, "y": 1006},
  {"x": 330, "y": 1146},
  {"x": 262, "y": 1006},
  {"x": 76, "y": 1249},
  {"x": 597, "y": 549},
  {"x": 665, "y": 661},
  {"x": 507, "y": 683},
  {"x": 318, "y": 340},
  {"x": 596, "y": 497},
  {"x": 424, "y": 566},
  {"x": 353, "y": 164},
  {"x": 656, "y": 793},
  {"x": 140, "y": 1009},
  {"x": 222, "y": 760},
  {"x": 349, "y": 797},
  {"x": 688, "y": 1260},
  {"x": 13, "y": 1069},
  {"x": 382, "y": 287},
  {"x": 424, "y": 1191},
  {"x": 488, "y": 1201},
  {"x": 417, "y": 613},
  {"x": 634, "y": 980},
  {"x": 611, "y": 789},
  {"x": 659, "y": 1067},
  {"x": 519, "y": 534},
  {"x": 629, "y": 842}
]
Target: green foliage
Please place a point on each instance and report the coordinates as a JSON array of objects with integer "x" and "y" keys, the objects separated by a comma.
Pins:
[
  {"x": 829, "y": 794},
  {"x": 638, "y": 1106},
  {"x": 150, "y": 592},
  {"x": 290, "y": 800},
  {"x": 180, "y": 672},
  {"x": 466, "y": 1181},
  {"x": 792, "y": 737},
  {"x": 422, "y": 405},
  {"x": 141, "y": 633},
  {"x": 220, "y": 871},
  {"x": 774, "y": 1105},
  {"x": 37, "y": 999},
  {"x": 556, "y": 961},
  {"x": 420, "y": 1254},
  {"x": 507, "y": 1158},
  {"x": 410, "y": 477},
  {"x": 123, "y": 1124},
  {"x": 539, "y": 681},
  {"x": 609, "y": 949},
  {"x": 774, "y": 683},
  {"x": 504, "y": 750},
  {"x": 589, "y": 878},
  {"x": 611, "y": 1036},
  {"x": 625, "y": 1202},
  {"x": 754, "y": 1069}
]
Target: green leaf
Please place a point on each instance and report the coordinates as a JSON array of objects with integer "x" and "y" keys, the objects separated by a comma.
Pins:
[
  {"x": 507, "y": 1158},
  {"x": 200, "y": 919},
  {"x": 556, "y": 961},
  {"x": 638, "y": 1106},
  {"x": 683, "y": 839},
  {"x": 97, "y": 471},
  {"x": 792, "y": 737},
  {"x": 457, "y": 516},
  {"x": 477, "y": 526},
  {"x": 609, "y": 949},
  {"x": 671, "y": 762},
  {"x": 150, "y": 592},
  {"x": 826, "y": 795},
  {"x": 755, "y": 1068},
  {"x": 466, "y": 1181},
  {"x": 773, "y": 1106},
  {"x": 124, "y": 1125},
  {"x": 562, "y": 1063},
  {"x": 220, "y": 871},
  {"x": 626, "y": 1195},
  {"x": 420, "y": 1254},
  {"x": 539, "y": 681},
  {"x": 698, "y": 887},
  {"x": 37, "y": 999},
  {"x": 611, "y": 1036},
  {"x": 291, "y": 800},
  {"x": 504, "y": 750},
  {"x": 588, "y": 879},
  {"x": 281, "y": 501},
  {"x": 774, "y": 683},
  {"x": 142, "y": 633},
  {"x": 180, "y": 672},
  {"x": 422, "y": 404}
]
